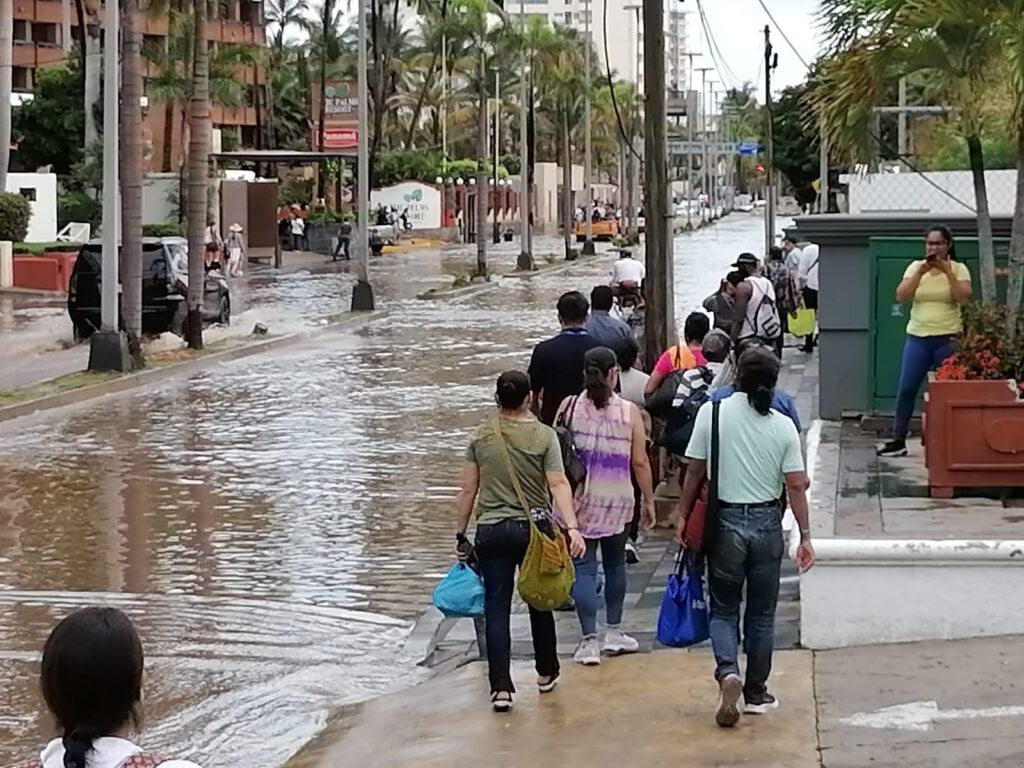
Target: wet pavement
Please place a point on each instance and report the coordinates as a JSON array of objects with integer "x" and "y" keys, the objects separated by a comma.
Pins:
[{"x": 276, "y": 524}]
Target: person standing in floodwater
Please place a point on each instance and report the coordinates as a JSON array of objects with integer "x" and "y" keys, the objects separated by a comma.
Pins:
[
  {"x": 91, "y": 681},
  {"x": 514, "y": 442}
]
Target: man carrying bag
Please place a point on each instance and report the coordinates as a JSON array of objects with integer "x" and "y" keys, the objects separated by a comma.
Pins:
[{"x": 758, "y": 456}]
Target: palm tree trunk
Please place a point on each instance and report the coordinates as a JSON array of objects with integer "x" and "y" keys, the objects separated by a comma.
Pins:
[
  {"x": 985, "y": 250},
  {"x": 131, "y": 178},
  {"x": 167, "y": 160},
  {"x": 6, "y": 86},
  {"x": 323, "y": 104},
  {"x": 1016, "y": 280},
  {"x": 481, "y": 174},
  {"x": 567, "y": 209},
  {"x": 428, "y": 80},
  {"x": 198, "y": 185},
  {"x": 91, "y": 77}
]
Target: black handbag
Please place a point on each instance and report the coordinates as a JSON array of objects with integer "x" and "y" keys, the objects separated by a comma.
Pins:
[{"x": 575, "y": 469}]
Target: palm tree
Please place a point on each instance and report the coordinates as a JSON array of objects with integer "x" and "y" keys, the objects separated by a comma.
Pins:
[
  {"x": 950, "y": 47},
  {"x": 281, "y": 16},
  {"x": 198, "y": 178},
  {"x": 131, "y": 177},
  {"x": 325, "y": 40},
  {"x": 6, "y": 56}
]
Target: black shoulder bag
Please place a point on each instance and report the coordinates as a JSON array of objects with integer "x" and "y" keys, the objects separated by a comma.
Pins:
[
  {"x": 575, "y": 469},
  {"x": 711, "y": 513}
]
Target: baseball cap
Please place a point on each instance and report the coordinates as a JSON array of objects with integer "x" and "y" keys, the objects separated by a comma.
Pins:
[{"x": 747, "y": 259}]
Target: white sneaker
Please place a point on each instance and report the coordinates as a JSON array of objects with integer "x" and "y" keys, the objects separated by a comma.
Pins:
[
  {"x": 617, "y": 642},
  {"x": 589, "y": 652},
  {"x": 632, "y": 556}
]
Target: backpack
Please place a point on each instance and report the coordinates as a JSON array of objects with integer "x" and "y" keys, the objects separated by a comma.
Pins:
[
  {"x": 766, "y": 322},
  {"x": 138, "y": 760},
  {"x": 693, "y": 392},
  {"x": 575, "y": 469}
]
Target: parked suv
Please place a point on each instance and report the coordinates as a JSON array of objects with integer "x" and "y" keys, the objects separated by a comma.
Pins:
[{"x": 164, "y": 288}]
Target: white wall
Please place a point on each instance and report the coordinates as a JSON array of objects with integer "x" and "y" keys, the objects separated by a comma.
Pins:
[
  {"x": 908, "y": 192},
  {"x": 422, "y": 201},
  {"x": 547, "y": 178},
  {"x": 42, "y": 225},
  {"x": 159, "y": 198}
]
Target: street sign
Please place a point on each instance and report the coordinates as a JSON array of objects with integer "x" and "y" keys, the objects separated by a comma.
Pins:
[
  {"x": 747, "y": 148},
  {"x": 697, "y": 148}
]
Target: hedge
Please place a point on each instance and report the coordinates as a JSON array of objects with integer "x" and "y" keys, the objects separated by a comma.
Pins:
[{"x": 14, "y": 216}]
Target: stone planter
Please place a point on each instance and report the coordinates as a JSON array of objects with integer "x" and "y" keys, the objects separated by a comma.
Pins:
[
  {"x": 973, "y": 435},
  {"x": 322, "y": 237}
]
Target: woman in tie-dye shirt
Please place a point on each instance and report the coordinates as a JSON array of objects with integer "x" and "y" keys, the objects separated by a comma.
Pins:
[{"x": 609, "y": 436}]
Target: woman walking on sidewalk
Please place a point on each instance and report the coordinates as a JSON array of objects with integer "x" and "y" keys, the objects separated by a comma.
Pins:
[
  {"x": 609, "y": 435},
  {"x": 937, "y": 286},
  {"x": 503, "y": 532}
]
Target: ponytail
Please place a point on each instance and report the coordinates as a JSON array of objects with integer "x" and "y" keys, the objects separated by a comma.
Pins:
[
  {"x": 596, "y": 383},
  {"x": 76, "y": 747},
  {"x": 760, "y": 398}
]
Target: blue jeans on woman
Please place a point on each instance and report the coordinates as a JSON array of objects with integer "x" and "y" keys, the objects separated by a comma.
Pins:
[
  {"x": 920, "y": 355},
  {"x": 748, "y": 547},
  {"x": 584, "y": 590}
]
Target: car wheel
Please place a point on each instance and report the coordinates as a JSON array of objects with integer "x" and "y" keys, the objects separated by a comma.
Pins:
[{"x": 224, "y": 316}]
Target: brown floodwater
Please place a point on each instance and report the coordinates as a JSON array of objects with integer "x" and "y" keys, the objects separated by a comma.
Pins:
[{"x": 273, "y": 525}]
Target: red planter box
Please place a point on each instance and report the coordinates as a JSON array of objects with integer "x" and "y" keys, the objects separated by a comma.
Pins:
[
  {"x": 50, "y": 272},
  {"x": 973, "y": 435}
]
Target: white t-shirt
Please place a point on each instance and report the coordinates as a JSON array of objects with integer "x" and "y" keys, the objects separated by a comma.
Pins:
[
  {"x": 106, "y": 752},
  {"x": 632, "y": 383},
  {"x": 760, "y": 287},
  {"x": 755, "y": 452},
  {"x": 628, "y": 271},
  {"x": 298, "y": 226},
  {"x": 809, "y": 267},
  {"x": 793, "y": 259}
]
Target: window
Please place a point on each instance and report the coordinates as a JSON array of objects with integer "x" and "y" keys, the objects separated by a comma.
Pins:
[
  {"x": 568, "y": 18},
  {"x": 29, "y": 193},
  {"x": 22, "y": 31},
  {"x": 249, "y": 12},
  {"x": 46, "y": 34},
  {"x": 21, "y": 78}
]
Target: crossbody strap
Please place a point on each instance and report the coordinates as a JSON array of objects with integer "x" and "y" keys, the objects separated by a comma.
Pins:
[
  {"x": 511, "y": 468},
  {"x": 715, "y": 446}
]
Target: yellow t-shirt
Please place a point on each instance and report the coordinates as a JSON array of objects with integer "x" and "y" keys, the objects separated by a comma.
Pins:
[{"x": 934, "y": 311}]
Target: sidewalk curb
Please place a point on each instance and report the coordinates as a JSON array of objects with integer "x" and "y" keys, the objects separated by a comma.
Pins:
[
  {"x": 148, "y": 376},
  {"x": 554, "y": 269},
  {"x": 458, "y": 293}
]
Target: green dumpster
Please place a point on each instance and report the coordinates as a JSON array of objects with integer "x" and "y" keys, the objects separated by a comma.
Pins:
[{"x": 889, "y": 259}]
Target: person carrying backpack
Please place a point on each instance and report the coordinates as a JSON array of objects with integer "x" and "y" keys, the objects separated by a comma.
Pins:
[{"x": 757, "y": 320}]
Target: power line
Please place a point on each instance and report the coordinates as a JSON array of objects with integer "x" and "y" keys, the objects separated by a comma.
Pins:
[
  {"x": 728, "y": 76},
  {"x": 905, "y": 159}
]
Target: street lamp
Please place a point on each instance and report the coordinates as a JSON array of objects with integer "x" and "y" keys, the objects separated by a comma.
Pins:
[
  {"x": 588, "y": 220},
  {"x": 362, "y": 292},
  {"x": 525, "y": 261},
  {"x": 108, "y": 347},
  {"x": 497, "y": 151}
]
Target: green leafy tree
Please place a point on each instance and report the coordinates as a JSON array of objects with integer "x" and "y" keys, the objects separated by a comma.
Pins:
[
  {"x": 50, "y": 129},
  {"x": 795, "y": 144}
]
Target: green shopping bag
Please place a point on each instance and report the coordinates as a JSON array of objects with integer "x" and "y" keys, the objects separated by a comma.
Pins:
[{"x": 802, "y": 322}]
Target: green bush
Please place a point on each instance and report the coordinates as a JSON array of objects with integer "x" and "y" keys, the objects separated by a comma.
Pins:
[
  {"x": 426, "y": 166},
  {"x": 14, "y": 216},
  {"x": 163, "y": 230},
  {"x": 295, "y": 191},
  {"x": 77, "y": 206},
  {"x": 319, "y": 218},
  {"x": 37, "y": 249}
]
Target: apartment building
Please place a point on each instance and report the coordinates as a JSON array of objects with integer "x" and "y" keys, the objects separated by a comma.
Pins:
[
  {"x": 45, "y": 32},
  {"x": 624, "y": 33}
]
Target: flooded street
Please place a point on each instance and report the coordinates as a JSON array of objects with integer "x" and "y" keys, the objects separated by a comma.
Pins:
[{"x": 276, "y": 524}]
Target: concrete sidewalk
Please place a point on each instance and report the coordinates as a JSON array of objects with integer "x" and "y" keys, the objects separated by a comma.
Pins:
[{"x": 654, "y": 710}]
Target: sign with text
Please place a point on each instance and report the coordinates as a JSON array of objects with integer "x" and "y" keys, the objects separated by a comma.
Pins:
[
  {"x": 421, "y": 202},
  {"x": 341, "y": 115}
]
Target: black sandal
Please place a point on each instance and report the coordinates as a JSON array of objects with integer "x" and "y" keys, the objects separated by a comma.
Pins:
[
  {"x": 547, "y": 684},
  {"x": 501, "y": 701}
]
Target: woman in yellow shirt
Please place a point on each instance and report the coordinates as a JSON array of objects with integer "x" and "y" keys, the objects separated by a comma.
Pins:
[{"x": 937, "y": 285}]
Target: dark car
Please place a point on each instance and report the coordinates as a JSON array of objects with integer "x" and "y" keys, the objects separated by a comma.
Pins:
[{"x": 164, "y": 288}]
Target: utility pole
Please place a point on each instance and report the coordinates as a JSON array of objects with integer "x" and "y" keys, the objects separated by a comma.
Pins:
[
  {"x": 659, "y": 325},
  {"x": 362, "y": 292},
  {"x": 525, "y": 260},
  {"x": 703, "y": 132},
  {"x": 588, "y": 210},
  {"x": 823, "y": 190},
  {"x": 444, "y": 103},
  {"x": 901, "y": 134},
  {"x": 108, "y": 348},
  {"x": 771, "y": 61},
  {"x": 716, "y": 126},
  {"x": 691, "y": 113},
  {"x": 497, "y": 150},
  {"x": 632, "y": 162}
]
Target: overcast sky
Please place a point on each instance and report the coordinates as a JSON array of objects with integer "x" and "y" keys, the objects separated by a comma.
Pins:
[{"x": 738, "y": 27}]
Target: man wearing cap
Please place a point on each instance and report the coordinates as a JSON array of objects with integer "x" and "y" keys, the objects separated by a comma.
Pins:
[{"x": 756, "y": 319}]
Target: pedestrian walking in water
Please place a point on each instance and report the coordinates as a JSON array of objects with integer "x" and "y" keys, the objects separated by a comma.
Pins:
[
  {"x": 609, "y": 436},
  {"x": 556, "y": 367},
  {"x": 503, "y": 530},
  {"x": 606, "y": 330},
  {"x": 936, "y": 286},
  {"x": 758, "y": 457},
  {"x": 91, "y": 681}
]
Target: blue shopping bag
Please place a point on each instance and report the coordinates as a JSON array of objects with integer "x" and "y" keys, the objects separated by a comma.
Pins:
[
  {"x": 683, "y": 618},
  {"x": 460, "y": 593}
]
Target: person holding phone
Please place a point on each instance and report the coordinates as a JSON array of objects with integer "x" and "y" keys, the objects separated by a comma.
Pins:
[{"x": 936, "y": 286}]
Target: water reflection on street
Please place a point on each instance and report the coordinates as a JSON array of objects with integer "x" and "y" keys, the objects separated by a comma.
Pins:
[{"x": 274, "y": 525}]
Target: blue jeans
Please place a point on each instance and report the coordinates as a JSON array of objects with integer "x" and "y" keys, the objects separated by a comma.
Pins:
[
  {"x": 748, "y": 548},
  {"x": 584, "y": 590},
  {"x": 920, "y": 355}
]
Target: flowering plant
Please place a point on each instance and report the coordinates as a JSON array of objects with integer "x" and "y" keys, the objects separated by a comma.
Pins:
[{"x": 985, "y": 349}]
